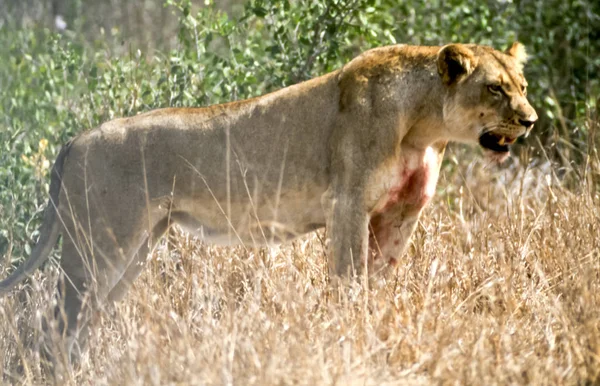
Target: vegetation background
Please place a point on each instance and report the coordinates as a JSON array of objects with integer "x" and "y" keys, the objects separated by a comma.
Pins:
[{"x": 500, "y": 286}]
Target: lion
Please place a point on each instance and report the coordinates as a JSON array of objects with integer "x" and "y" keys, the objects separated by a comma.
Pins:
[{"x": 357, "y": 151}]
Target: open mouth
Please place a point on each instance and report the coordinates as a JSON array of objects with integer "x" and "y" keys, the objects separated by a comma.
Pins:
[{"x": 496, "y": 142}]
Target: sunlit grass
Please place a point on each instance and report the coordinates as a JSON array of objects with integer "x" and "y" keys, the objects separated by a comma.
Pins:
[{"x": 500, "y": 286}]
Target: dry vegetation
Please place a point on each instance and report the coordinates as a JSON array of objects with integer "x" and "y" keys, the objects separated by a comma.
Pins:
[{"x": 501, "y": 286}]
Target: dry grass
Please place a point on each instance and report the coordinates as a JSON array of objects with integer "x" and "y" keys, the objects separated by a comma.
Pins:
[{"x": 501, "y": 286}]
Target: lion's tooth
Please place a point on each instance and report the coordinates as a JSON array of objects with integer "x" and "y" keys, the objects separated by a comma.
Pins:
[
  {"x": 510, "y": 141},
  {"x": 501, "y": 141}
]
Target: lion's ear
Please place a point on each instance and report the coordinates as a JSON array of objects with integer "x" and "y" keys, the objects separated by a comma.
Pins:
[
  {"x": 455, "y": 62},
  {"x": 517, "y": 51}
]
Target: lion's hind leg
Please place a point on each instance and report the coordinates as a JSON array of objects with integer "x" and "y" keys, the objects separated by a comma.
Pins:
[
  {"x": 137, "y": 263},
  {"x": 94, "y": 268},
  {"x": 60, "y": 330},
  {"x": 184, "y": 219}
]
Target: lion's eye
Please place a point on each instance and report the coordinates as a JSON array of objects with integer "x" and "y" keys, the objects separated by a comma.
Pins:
[
  {"x": 524, "y": 90},
  {"x": 495, "y": 89}
]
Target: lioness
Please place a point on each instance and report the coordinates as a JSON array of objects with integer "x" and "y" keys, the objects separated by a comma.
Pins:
[{"x": 357, "y": 150}]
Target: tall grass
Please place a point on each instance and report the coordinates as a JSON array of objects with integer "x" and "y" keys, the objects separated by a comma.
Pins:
[{"x": 500, "y": 286}]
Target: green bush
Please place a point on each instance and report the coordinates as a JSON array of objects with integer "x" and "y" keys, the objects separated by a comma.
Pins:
[{"x": 53, "y": 86}]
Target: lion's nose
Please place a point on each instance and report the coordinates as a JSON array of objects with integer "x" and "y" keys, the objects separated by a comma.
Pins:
[{"x": 527, "y": 123}]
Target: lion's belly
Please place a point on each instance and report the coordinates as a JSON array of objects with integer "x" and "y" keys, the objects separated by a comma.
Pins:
[{"x": 271, "y": 220}]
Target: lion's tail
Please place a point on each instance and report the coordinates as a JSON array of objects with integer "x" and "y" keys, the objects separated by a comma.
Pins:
[{"x": 49, "y": 231}]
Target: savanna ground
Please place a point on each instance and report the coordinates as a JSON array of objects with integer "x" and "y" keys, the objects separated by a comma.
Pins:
[{"x": 501, "y": 284}]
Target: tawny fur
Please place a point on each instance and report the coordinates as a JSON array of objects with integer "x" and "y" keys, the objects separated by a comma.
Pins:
[{"x": 357, "y": 150}]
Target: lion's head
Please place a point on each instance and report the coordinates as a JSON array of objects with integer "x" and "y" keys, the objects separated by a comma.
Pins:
[{"x": 486, "y": 95}]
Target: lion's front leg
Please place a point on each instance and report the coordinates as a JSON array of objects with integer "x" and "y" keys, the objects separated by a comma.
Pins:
[
  {"x": 348, "y": 232},
  {"x": 389, "y": 234}
]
